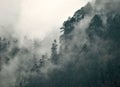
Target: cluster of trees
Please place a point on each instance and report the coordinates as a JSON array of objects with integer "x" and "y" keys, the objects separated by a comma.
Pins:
[
  {"x": 30, "y": 61},
  {"x": 8, "y": 50},
  {"x": 95, "y": 63}
]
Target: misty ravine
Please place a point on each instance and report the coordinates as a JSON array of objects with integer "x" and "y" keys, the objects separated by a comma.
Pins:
[{"x": 87, "y": 53}]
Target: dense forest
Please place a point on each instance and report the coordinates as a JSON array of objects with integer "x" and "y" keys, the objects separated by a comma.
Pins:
[{"x": 88, "y": 55}]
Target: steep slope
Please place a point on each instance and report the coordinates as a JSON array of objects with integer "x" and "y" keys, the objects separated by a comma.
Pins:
[
  {"x": 89, "y": 53},
  {"x": 92, "y": 51}
]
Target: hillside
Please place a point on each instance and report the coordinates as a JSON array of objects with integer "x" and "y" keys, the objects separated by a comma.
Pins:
[{"x": 88, "y": 55}]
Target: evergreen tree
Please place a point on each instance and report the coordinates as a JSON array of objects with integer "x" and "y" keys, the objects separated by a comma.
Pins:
[{"x": 54, "y": 55}]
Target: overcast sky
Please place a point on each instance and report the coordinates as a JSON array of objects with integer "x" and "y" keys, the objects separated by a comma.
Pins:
[{"x": 37, "y": 18}]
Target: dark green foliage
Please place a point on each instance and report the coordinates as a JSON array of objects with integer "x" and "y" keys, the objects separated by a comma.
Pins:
[
  {"x": 80, "y": 14},
  {"x": 68, "y": 25},
  {"x": 54, "y": 54},
  {"x": 114, "y": 27},
  {"x": 96, "y": 28}
]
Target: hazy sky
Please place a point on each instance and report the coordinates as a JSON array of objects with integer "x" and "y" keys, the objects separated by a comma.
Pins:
[{"x": 39, "y": 17}]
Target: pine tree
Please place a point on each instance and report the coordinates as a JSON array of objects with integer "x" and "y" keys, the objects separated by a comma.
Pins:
[{"x": 54, "y": 55}]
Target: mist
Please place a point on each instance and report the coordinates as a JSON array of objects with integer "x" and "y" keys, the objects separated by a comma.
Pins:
[
  {"x": 28, "y": 29},
  {"x": 59, "y": 43},
  {"x": 38, "y": 18}
]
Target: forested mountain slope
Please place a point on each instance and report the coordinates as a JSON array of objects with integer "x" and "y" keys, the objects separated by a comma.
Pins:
[{"x": 88, "y": 56}]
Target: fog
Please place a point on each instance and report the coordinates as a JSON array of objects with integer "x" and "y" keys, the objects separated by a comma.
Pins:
[{"x": 37, "y": 18}]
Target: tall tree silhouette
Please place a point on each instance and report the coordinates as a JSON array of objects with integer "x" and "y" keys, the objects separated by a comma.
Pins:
[{"x": 54, "y": 55}]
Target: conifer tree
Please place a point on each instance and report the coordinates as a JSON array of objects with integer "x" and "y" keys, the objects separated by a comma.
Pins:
[{"x": 54, "y": 55}]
